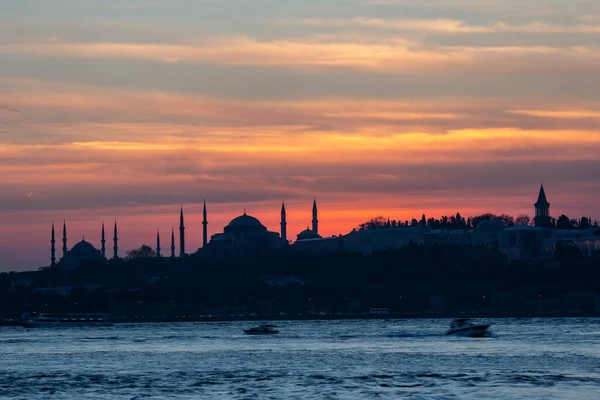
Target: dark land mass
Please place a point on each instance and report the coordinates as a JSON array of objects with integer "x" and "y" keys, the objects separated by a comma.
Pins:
[{"x": 413, "y": 281}]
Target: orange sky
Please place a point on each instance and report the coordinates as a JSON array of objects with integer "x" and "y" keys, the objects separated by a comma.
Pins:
[{"x": 128, "y": 109}]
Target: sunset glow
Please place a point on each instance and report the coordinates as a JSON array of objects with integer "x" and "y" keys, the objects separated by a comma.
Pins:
[{"x": 127, "y": 109}]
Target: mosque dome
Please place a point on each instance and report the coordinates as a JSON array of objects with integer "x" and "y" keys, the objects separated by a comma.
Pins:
[
  {"x": 83, "y": 248},
  {"x": 245, "y": 222},
  {"x": 308, "y": 234}
]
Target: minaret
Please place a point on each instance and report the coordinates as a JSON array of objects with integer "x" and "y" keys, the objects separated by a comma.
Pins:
[
  {"x": 315, "y": 220},
  {"x": 103, "y": 242},
  {"x": 542, "y": 209},
  {"x": 204, "y": 226},
  {"x": 116, "y": 245},
  {"x": 52, "y": 248},
  {"x": 157, "y": 243},
  {"x": 172, "y": 243},
  {"x": 181, "y": 235},
  {"x": 64, "y": 239},
  {"x": 283, "y": 223}
]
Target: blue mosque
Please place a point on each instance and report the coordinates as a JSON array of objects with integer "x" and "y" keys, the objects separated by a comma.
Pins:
[{"x": 244, "y": 236}]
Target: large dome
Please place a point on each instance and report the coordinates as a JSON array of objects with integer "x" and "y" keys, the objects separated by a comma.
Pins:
[
  {"x": 245, "y": 221},
  {"x": 83, "y": 248},
  {"x": 308, "y": 234}
]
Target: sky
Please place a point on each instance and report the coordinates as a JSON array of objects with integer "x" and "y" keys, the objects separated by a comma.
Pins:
[{"x": 127, "y": 109}]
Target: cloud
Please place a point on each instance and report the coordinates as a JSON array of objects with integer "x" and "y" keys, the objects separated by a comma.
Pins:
[
  {"x": 384, "y": 56},
  {"x": 6, "y": 108},
  {"x": 560, "y": 114},
  {"x": 441, "y": 25}
]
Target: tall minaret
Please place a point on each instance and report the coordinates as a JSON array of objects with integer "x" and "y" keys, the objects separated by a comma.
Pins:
[
  {"x": 315, "y": 220},
  {"x": 283, "y": 223},
  {"x": 204, "y": 226},
  {"x": 157, "y": 243},
  {"x": 103, "y": 242},
  {"x": 116, "y": 241},
  {"x": 52, "y": 248},
  {"x": 181, "y": 235},
  {"x": 172, "y": 243},
  {"x": 64, "y": 239}
]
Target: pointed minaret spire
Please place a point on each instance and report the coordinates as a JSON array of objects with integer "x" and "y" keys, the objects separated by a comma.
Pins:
[
  {"x": 283, "y": 223},
  {"x": 204, "y": 226},
  {"x": 103, "y": 242},
  {"x": 116, "y": 243},
  {"x": 181, "y": 235},
  {"x": 172, "y": 243},
  {"x": 64, "y": 239},
  {"x": 315, "y": 220},
  {"x": 52, "y": 248},
  {"x": 157, "y": 243},
  {"x": 542, "y": 196},
  {"x": 542, "y": 209}
]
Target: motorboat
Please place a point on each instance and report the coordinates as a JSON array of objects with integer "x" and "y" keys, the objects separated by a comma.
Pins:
[
  {"x": 265, "y": 329},
  {"x": 464, "y": 327},
  {"x": 66, "y": 320}
]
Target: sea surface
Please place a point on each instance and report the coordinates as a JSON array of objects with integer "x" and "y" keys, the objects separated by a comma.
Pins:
[{"x": 353, "y": 359}]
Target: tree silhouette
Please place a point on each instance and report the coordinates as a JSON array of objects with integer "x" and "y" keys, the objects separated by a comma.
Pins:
[
  {"x": 563, "y": 222},
  {"x": 523, "y": 220},
  {"x": 585, "y": 223},
  {"x": 483, "y": 217},
  {"x": 142, "y": 253},
  {"x": 374, "y": 223},
  {"x": 507, "y": 219}
]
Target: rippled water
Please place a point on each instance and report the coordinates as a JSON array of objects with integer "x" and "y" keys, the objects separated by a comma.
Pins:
[{"x": 384, "y": 359}]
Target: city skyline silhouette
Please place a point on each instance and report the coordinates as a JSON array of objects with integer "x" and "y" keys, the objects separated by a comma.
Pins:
[{"x": 128, "y": 109}]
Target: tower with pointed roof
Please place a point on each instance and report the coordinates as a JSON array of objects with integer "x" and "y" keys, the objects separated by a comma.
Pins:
[
  {"x": 157, "y": 243},
  {"x": 542, "y": 210},
  {"x": 172, "y": 243},
  {"x": 103, "y": 242},
  {"x": 64, "y": 239},
  {"x": 52, "y": 248},
  {"x": 181, "y": 235},
  {"x": 204, "y": 226},
  {"x": 115, "y": 243},
  {"x": 315, "y": 220},
  {"x": 283, "y": 223}
]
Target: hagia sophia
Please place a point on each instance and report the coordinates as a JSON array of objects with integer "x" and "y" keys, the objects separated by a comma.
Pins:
[{"x": 245, "y": 236}]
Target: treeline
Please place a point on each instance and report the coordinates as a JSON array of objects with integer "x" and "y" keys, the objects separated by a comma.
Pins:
[{"x": 457, "y": 221}]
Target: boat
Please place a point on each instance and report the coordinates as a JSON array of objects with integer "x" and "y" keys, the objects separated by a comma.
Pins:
[
  {"x": 66, "y": 320},
  {"x": 265, "y": 329},
  {"x": 9, "y": 322},
  {"x": 464, "y": 327}
]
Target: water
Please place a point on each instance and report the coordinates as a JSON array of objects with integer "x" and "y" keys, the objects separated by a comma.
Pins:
[{"x": 383, "y": 359}]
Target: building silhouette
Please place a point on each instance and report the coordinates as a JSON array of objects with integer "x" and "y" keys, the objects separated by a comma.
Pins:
[
  {"x": 311, "y": 234},
  {"x": 245, "y": 236},
  {"x": 204, "y": 225},
  {"x": 283, "y": 223},
  {"x": 158, "y": 244},
  {"x": 542, "y": 210},
  {"x": 181, "y": 235}
]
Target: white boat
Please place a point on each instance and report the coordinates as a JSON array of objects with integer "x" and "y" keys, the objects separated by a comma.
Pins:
[
  {"x": 66, "y": 320},
  {"x": 464, "y": 327},
  {"x": 265, "y": 329}
]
